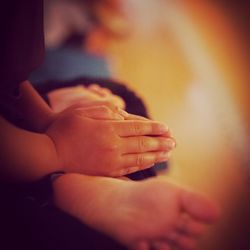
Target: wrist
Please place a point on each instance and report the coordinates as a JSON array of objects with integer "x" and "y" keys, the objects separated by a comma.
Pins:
[
  {"x": 54, "y": 176},
  {"x": 57, "y": 165}
]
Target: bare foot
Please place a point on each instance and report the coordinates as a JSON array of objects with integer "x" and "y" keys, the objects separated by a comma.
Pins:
[{"x": 151, "y": 213}]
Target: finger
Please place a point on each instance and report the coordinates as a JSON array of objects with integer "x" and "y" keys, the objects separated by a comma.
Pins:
[
  {"x": 129, "y": 116},
  {"x": 199, "y": 207},
  {"x": 125, "y": 171},
  {"x": 122, "y": 112},
  {"x": 144, "y": 160},
  {"x": 66, "y": 90},
  {"x": 94, "y": 87},
  {"x": 136, "y": 117},
  {"x": 117, "y": 100},
  {"x": 135, "y": 162},
  {"x": 142, "y": 144},
  {"x": 137, "y": 128},
  {"x": 99, "y": 113},
  {"x": 103, "y": 92},
  {"x": 91, "y": 103},
  {"x": 106, "y": 91},
  {"x": 97, "y": 87}
]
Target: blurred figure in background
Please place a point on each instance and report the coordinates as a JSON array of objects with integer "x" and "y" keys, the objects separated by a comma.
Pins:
[{"x": 77, "y": 34}]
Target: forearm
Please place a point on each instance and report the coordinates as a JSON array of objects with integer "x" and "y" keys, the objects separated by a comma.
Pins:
[
  {"x": 34, "y": 110},
  {"x": 25, "y": 155}
]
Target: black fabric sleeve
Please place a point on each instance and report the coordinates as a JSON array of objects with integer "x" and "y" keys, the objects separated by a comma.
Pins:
[
  {"x": 21, "y": 49},
  {"x": 22, "y": 41}
]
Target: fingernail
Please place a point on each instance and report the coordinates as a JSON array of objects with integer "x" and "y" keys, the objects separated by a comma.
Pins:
[
  {"x": 170, "y": 143},
  {"x": 170, "y": 132},
  {"x": 122, "y": 112},
  {"x": 175, "y": 142},
  {"x": 118, "y": 117},
  {"x": 163, "y": 128},
  {"x": 163, "y": 156}
]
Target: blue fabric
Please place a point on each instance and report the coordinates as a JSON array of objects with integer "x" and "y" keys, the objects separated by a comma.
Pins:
[{"x": 68, "y": 63}]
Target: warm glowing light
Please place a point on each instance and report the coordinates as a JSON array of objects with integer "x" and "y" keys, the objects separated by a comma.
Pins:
[{"x": 187, "y": 61}]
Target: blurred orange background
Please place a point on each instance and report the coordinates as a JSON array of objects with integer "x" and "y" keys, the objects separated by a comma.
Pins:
[{"x": 189, "y": 60}]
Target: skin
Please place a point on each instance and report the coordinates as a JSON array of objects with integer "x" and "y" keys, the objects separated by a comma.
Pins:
[
  {"x": 71, "y": 140},
  {"x": 154, "y": 212},
  {"x": 63, "y": 98},
  {"x": 25, "y": 155},
  {"x": 122, "y": 146},
  {"x": 119, "y": 152}
]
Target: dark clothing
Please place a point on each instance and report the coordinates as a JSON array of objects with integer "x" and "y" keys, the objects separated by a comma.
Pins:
[
  {"x": 30, "y": 222},
  {"x": 21, "y": 48},
  {"x": 22, "y": 42},
  {"x": 27, "y": 219}
]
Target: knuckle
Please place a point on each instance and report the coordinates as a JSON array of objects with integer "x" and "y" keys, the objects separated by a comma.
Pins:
[
  {"x": 108, "y": 103},
  {"x": 136, "y": 127},
  {"x": 142, "y": 144},
  {"x": 140, "y": 160},
  {"x": 113, "y": 147},
  {"x": 104, "y": 109},
  {"x": 108, "y": 128}
]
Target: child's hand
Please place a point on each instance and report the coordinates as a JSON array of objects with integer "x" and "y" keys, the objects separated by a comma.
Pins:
[
  {"x": 96, "y": 141},
  {"x": 63, "y": 98}
]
